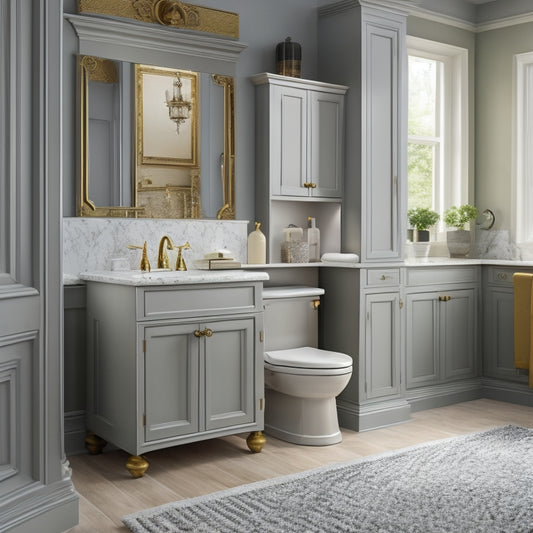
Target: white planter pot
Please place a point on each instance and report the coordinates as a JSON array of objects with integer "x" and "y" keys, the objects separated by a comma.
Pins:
[{"x": 458, "y": 242}]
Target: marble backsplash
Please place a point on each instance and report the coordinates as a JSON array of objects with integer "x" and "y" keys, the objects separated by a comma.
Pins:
[{"x": 92, "y": 243}]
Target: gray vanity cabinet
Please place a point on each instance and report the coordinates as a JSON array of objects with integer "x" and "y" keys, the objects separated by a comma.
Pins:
[
  {"x": 440, "y": 336},
  {"x": 174, "y": 364}
]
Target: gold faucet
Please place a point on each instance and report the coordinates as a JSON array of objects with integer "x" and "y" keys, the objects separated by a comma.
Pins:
[
  {"x": 162, "y": 256},
  {"x": 180, "y": 263},
  {"x": 145, "y": 264}
]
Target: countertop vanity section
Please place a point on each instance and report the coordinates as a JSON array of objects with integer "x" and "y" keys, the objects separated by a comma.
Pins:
[
  {"x": 173, "y": 357},
  {"x": 422, "y": 335}
]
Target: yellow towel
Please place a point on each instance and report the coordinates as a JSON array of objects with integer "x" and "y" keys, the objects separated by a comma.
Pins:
[{"x": 523, "y": 316}]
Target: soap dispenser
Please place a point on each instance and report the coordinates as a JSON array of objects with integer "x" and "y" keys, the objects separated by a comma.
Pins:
[
  {"x": 313, "y": 239},
  {"x": 257, "y": 246}
]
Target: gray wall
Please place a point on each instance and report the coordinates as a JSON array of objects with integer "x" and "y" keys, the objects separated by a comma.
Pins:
[
  {"x": 494, "y": 119},
  {"x": 263, "y": 24}
]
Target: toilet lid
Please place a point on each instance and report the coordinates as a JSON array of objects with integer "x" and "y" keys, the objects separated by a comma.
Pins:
[{"x": 308, "y": 357}]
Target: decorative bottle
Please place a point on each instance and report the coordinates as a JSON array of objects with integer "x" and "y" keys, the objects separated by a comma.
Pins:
[
  {"x": 257, "y": 246},
  {"x": 313, "y": 239}
]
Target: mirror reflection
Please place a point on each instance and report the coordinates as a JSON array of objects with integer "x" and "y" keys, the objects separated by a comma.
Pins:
[{"x": 155, "y": 142}]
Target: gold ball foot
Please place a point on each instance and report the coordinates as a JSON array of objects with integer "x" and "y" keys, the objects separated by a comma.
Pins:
[
  {"x": 256, "y": 440},
  {"x": 137, "y": 465},
  {"x": 94, "y": 443}
]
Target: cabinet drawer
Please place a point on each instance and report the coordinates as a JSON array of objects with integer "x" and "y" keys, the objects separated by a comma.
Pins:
[
  {"x": 383, "y": 277},
  {"x": 192, "y": 301},
  {"x": 441, "y": 276},
  {"x": 501, "y": 276}
]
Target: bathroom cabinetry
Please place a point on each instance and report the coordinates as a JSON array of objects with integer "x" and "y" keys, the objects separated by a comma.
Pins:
[
  {"x": 299, "y": 157},
  {"x": 359, "y": 41},
  {"x": 301, "y": 133},
  {"x": 498, "y": 349},
  {"x": 169, "y": 365},
  {"x": 440, "y": 336},
  {"x": 412, "y": 332}
]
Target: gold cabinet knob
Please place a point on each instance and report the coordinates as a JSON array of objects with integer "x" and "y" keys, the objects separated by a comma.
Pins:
[
  {"x": 204, "y": 333},
  {"x": 444, "y": 298},
  {"x": 313, "y": 185}
]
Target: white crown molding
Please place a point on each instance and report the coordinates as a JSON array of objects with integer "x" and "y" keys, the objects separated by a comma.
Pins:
[
  {"x": 420, "y": 12},
  {"x": 505, "y": 22},
  {"x": 442, "y": 19}
]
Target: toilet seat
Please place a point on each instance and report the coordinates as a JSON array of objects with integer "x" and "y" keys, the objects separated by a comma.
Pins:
[{"x": 308, "y": 361}]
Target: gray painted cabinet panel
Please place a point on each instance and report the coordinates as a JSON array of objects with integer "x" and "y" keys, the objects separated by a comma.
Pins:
[
  {"x": 170, "y": 366},
  {"x": 382, "y": 344},
  {"x": 498, "y": 324},
  {"x": 159, "y": 383},
  {"x": 422, "y": 339},
  {"x": 382, "y": 158},
  {"x": 440, "y": 336},
  {"x": 304, "y": 125}
]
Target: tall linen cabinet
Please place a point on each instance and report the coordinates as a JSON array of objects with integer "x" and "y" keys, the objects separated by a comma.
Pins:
[{"x": 362, "y": 45}]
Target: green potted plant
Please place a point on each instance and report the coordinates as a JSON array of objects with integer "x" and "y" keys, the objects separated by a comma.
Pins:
[
  {"x": 421, "y": 219},
  {"x": 459, "y": 240}
]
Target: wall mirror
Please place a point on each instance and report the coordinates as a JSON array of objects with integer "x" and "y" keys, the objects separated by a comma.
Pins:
[{"x": 157, "y": 121}]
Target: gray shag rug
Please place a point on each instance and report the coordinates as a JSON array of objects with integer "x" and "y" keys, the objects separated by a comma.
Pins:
[{"x": 475, "y": 483}]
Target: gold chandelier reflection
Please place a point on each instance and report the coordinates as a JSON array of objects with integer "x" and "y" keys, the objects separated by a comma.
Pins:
[{"x": 179, "y": 110}]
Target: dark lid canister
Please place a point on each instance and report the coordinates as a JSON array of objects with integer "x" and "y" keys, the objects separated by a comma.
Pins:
[{"x": 289, "y": 58}]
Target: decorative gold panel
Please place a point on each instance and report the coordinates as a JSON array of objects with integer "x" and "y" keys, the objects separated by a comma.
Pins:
[
  {"x": 168, "y": 13},
  {"x": 99, "y": 69}
]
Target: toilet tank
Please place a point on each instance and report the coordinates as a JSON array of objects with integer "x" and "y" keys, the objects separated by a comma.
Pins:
[{"x": 291, "y": 317}]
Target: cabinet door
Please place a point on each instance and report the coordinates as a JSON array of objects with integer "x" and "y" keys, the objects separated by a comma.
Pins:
[
  {"x": 458, "y": 334},
  {"x": 498, "y": 349},
  {"x": 382, "y": 342},
  {"x": 422, "y": 339},
  {"x": 229, "y": 354},
  {"x": 171, "y": 381},
  {"x": 289, "y": 142},
  {"x": 382, "y": 144},
  {"x": 326, "y": 142}
]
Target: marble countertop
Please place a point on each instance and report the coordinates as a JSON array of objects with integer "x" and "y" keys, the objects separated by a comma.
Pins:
[
  {"x": 137, "y": 278},
  {"x": 255, "y": 273},
  {"x": 411, "y": 262}
]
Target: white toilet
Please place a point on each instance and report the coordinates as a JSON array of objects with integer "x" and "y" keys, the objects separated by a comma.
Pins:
[{"x": 301, "y": 381}]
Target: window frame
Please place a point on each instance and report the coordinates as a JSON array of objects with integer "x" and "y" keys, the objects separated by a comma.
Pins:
[{"x": 451, "y": 172}]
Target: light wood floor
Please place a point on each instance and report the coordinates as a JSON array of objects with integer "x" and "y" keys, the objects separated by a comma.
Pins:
[{"x": 107, "y": 491}]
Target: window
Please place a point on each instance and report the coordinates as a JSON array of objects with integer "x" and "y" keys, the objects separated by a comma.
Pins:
[
  {"x": 523, "y": 164},
  {"x": 437, "y": 148}
]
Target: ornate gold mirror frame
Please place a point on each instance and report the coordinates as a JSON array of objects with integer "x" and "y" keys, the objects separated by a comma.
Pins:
[
  {"x": 98, "y": 69},
  {"x": 227, "y": 211}
]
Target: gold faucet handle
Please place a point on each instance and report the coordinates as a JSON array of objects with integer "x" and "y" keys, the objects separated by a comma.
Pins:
[
  {"x": 180, "y": 262},
  {"x": 145, "y": 264}
]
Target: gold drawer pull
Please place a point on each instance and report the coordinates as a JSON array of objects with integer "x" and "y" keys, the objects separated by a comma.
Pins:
[
  {"x": 383, "y": 277},
  {"x": 204, "y": 333},
  {"x": 444, "y": 298},
  {"x": 310, "y": 185}
]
